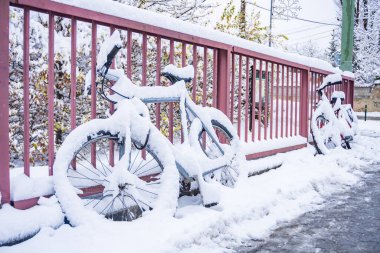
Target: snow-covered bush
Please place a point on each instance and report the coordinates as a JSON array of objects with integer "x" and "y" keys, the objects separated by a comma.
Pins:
[{"x": 38, "y": 75}]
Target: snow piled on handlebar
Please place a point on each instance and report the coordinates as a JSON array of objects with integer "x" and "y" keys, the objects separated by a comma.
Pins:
[
  {"x": 107, "y": 46},
  {"x": 185, "y": 72}
]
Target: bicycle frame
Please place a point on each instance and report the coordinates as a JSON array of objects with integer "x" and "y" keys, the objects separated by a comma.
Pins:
[{"x": 191, "y": 110}]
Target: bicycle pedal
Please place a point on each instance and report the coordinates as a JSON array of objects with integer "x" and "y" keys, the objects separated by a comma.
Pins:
[
  {"x": 211, "y": 204},
  {"x": 349, "y": 138}
]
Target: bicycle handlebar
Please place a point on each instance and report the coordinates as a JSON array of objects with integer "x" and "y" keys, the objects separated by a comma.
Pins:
[
  {"x": 319, "y": 89},
  {"x": 111, "y": 55}
]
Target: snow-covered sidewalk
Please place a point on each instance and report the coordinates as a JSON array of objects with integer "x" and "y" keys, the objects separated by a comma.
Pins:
[{"x": 250, "y": 211}]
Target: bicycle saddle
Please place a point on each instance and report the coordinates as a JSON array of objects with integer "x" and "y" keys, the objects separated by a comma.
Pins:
[
  {"x": 337, "y": 95},
  {"x": 175, "y": 74}
]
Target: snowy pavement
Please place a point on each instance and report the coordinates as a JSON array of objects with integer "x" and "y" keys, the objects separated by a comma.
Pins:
[
  {"x": 347, "y": 222},
  {"x": 252, "y": 211}
]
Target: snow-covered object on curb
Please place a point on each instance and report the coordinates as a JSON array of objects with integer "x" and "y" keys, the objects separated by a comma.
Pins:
[
  {"x": 17, "y": 225},
  {"x": 185, "y": 72},
  {"x": 160, "y": 20},
  {"x": 329, "y": 79},
  {"x": 259, "y": 166}
]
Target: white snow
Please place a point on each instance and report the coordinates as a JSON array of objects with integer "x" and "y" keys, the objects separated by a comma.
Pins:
[
  {"x": 18, "y": 224},
  {"x": 338, "y": 94},
  {"x": 348, "y": 74},
  {"x": 252, "y": 210},
  {"x": 329, "y": 79},
  {"x": 372, "y": 114},
  {"x": 364, "y": 85},
  {"x": 128, "y": 123},
  {"x": 162, "y": 21},
  {"x": 185, "y": 72},
  {"x": 271, "y": 144},
  {"x": 107, "y": 46},
  {"x": 38, "y": 184}
]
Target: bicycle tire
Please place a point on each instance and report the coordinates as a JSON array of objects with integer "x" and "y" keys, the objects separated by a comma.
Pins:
[
  {"x": 228, "y": 174},
  {"x": 352, "y": 118},
  {"x": 325, "y": 135},
  {"x": 132, "y": 198}
]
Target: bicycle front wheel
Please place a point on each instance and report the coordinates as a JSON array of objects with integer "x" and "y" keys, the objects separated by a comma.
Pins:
[
  {"x": 83, "y": 176},
  {"x": 325, "y": 135}
]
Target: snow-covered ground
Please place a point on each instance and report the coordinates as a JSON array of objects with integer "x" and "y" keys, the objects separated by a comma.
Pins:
[
  {"x": 250, "y": 211},
  {"x": 17, "y": 225}
]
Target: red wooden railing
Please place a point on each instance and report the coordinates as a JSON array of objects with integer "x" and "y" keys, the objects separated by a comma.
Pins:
[{"x": 266, "y": 97}]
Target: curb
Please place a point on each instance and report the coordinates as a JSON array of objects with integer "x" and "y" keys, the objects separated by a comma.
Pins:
[{"x": 369, "y": 117}]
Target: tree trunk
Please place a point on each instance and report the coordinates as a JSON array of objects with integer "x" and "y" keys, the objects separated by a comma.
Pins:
[{"x": 242, "y": 19}]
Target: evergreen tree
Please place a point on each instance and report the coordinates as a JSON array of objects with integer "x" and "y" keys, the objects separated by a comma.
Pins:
[
  {"x": 334, "y": 47},
  {"x": 366, "y": 57}
]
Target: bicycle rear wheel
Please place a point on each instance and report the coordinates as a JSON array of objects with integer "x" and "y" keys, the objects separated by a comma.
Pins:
[{"x": 228, "y": 171}]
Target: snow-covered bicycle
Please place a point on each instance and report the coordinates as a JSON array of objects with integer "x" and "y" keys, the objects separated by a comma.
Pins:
[
  {"x": 332, "y": 124},
  {"x": 145, "y": 174}
]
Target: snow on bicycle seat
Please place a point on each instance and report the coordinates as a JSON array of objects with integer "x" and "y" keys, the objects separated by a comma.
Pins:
[
  {"x": 337, "y": 94},
  {"x": 175, "y": 74},
  {"x": 331, "y": 79}
]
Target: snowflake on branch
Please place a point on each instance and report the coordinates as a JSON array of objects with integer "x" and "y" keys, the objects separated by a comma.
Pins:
[{"x": 286, "y": 9}]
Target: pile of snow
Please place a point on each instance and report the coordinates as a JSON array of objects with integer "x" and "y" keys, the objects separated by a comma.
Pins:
[
  {"x": 338, "y": 94},
  {"x": 185, "y": 72},
  {"x": 330, "y": 79},
  {"x": 262, "y": 165},
  {"x": 250, "y": 211},
  {"x": 18, "y": 225},
  {"x": 24, "y": 187},
  {"x": 106, "y": 48},
  {"x": 271, "y": 144},
  {"x": 159, "y": 20}
]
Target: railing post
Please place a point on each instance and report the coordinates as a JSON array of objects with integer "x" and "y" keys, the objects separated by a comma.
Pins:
[
  {"x": 352, "y": 90},
  {"x": 50, "y": 93},
  {"x": 4, "y": 102},
  {"x": 223, "y": 80},
  {"x": 304, "y": 102}
]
